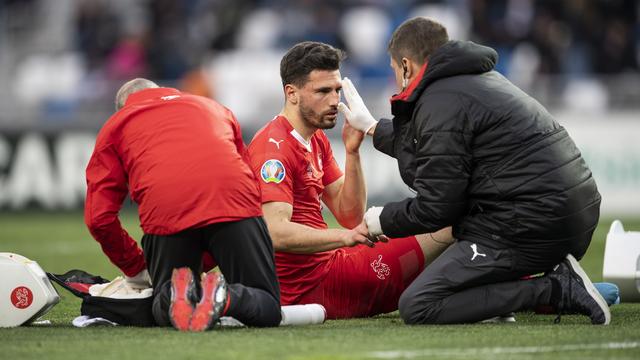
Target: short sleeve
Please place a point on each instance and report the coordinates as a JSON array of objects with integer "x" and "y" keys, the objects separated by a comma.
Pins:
[{"x": 274, "y": 172}]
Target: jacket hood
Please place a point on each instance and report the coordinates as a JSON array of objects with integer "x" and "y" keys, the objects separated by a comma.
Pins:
[{"x": 451, "y": 59}]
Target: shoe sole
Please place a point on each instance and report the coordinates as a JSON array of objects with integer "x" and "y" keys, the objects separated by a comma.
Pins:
[
  {"x": 591, "y": 289},
  {"x": 210, "y": 307},
  {"x": 181, "y": 310},
  {"x": 507, "y": 318}
]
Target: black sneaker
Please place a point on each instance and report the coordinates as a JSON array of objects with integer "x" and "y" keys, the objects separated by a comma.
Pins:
[{"x": 578, "y": 295}]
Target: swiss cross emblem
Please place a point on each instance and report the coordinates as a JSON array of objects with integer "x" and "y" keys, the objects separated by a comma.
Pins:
[
  {"x": 21, "y": 297},
  {"x": 381, "y": 269}
]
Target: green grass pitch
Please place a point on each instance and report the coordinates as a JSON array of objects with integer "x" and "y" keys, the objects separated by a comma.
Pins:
[{"x": 60, "y": 242}]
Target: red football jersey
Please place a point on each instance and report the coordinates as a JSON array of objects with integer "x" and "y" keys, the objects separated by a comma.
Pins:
[
  {"x": 181, "y": 159},
  {"x": 294, "y": 171}
]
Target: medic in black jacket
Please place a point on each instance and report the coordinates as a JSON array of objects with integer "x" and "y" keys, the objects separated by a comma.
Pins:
[{"x": 488, "y": 159}]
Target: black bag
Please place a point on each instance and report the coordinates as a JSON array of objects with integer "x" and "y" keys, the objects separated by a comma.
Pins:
[{"x": 128, "y": 312}]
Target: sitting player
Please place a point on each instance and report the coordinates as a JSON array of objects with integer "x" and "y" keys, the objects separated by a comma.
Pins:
[{"x": 294, "y": 163}]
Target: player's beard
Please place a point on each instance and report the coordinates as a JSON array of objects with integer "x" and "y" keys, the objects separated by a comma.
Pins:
[{"x": 319, "y": 121}]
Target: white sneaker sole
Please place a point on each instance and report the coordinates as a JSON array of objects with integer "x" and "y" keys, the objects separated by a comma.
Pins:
[
  {"x": 500, "y": 319},
  {"x": 575, "y": 266}
]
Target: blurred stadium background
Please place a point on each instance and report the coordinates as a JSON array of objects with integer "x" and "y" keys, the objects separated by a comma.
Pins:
[{"x": 61, "y": 62}]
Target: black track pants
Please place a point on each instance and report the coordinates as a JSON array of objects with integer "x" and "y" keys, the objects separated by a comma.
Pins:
[
  {"x": 470, "y": 283},
  {"x": 244, "y": 253}
]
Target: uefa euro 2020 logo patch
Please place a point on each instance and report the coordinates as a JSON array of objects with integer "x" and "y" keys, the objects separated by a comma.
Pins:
[{"x": 272, "y": 171}]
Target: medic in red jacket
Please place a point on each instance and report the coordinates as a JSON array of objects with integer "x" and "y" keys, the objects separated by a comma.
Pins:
[{"x": 180, "y": 157}]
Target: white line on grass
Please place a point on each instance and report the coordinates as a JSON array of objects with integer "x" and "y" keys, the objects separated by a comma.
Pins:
[{"x": 476, "y": 352}]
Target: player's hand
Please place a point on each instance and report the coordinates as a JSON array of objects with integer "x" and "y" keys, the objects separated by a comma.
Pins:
[
  {"x": 356, "y": 112},
  {"x": 140, "y": 281},
  {"x": 355, "y": 237},
  {"x": 351, "y": 138}
]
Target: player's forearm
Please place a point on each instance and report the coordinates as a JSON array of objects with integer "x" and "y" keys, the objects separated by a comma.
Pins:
[
  {"x": 292, "y": 237},
  {"x": 352, "y": 201}
]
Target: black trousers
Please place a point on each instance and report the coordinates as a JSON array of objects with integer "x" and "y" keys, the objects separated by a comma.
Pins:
[
  {"x": 470, "y": 283},
  {"x": 244, "y": 254}
]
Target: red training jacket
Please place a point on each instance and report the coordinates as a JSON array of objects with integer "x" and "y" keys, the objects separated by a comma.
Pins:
[{"x": 181, "y": 159}]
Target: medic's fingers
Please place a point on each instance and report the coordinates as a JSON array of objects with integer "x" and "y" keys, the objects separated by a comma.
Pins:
[
  {"x": 350, "y": 93},
  {"x": 344, "y": 109}
]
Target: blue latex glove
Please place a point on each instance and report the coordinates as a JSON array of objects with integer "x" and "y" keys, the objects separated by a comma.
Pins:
[{"x": 609, "y": 292}]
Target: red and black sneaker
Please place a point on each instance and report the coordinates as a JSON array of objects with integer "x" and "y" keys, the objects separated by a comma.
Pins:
[
  {"x": 182, "y": 287},
  {"x": 213, "y": 304}
]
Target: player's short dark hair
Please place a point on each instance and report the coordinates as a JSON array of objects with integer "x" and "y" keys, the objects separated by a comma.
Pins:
[
  {"x": 417, "y": 39},
  {"x": 304, "y": 57}
]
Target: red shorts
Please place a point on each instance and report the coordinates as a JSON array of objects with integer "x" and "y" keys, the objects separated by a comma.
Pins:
[{"x": 364, "y": 281}]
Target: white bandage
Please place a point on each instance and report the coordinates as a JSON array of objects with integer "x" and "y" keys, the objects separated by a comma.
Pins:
[
  {"x": 372, "y": 219},
  {"x": 356, "y": 113}
]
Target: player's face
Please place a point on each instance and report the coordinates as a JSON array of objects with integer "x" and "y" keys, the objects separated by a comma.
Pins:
[{"x": 319, "y": 98}]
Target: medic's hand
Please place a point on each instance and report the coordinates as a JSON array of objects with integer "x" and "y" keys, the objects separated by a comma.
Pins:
[
  {"x": 356, "y": 112},
  {"x": 140, "y": 281},
  {"x": 364, "y": 229},
  {"x": 372, "y": 220}
]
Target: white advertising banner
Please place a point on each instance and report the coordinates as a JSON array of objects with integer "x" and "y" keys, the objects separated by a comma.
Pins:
[{"x": 611, "y": 148}]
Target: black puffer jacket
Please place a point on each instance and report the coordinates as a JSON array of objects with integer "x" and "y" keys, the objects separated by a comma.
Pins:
[{"x": 488, "y": 159}]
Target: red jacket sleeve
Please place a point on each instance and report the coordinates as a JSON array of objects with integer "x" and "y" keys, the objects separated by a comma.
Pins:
[{"x": 106, "y": 190}]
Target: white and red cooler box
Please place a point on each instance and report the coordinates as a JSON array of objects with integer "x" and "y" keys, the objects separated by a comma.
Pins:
[{"x": 25, "y": 291}]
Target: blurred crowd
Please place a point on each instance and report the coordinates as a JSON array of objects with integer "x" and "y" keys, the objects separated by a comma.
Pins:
[{"x": 64, "y": 56}]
